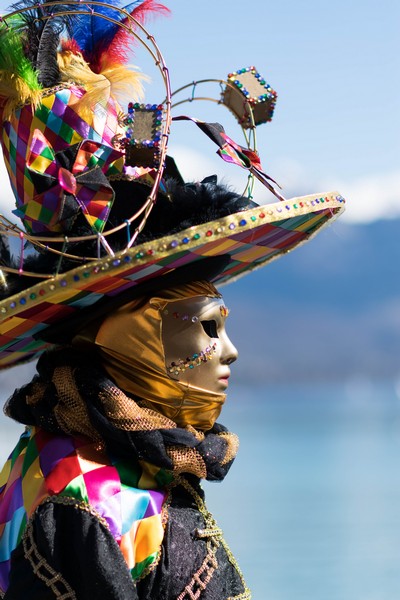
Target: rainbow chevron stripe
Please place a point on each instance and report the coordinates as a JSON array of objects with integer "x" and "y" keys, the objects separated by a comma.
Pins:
[{"x": 128, "y": 497}]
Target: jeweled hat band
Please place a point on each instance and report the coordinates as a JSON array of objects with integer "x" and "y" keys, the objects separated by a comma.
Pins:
[
  {"x": 248, "y": 240},
  {"x": 251, "y": 238}
]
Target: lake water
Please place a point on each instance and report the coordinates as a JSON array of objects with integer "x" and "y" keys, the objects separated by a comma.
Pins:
[{"x": 311, "y": 506}]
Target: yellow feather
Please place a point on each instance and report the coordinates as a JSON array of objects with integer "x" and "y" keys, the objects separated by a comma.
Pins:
[
  {"x": 119, "y": 82},
  {"x": 15, "y": 92}
]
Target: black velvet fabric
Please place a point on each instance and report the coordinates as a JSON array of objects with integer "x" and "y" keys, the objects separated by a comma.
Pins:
[
  {"x": 183, "y": 553},
  {"x": 78, "y": 547}
]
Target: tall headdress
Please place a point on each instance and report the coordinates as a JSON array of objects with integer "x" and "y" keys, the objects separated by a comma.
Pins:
[{"x": 105, "y": 213}]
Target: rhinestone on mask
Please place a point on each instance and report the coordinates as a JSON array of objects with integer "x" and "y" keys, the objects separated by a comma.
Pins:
[{"x": 191, "y": 362}]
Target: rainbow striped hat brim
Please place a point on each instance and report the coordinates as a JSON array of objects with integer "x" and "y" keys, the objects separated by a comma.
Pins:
[{"x": 249, "y": 239}]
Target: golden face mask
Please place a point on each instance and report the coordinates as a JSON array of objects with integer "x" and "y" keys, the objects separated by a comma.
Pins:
[
  {"x": 139, "y": 342},
  {"x": 197, "y": 350}
]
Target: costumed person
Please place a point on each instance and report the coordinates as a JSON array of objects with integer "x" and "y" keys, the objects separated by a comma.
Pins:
[{"x": 113, "y": 291}]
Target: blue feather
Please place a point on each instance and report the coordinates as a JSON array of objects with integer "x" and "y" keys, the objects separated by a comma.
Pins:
[{"x": 95, "y": 34}]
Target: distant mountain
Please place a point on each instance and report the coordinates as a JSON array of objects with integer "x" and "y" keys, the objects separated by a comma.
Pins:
[{"x": 329, "y": 310}]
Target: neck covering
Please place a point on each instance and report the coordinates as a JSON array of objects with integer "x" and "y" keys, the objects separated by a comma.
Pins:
[
  {"x": 131, "y": 351},
  {"x": 72, "y": 394}
]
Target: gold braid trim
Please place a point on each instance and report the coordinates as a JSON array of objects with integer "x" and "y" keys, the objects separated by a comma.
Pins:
[
  {"x": 214, "y": 536},
  {"x": 81, "y": 505},
  {"x": 43, "y": 570},
  {"x": 68, "y": 501}
]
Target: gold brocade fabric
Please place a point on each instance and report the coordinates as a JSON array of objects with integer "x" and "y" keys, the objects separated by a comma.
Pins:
[{"x": 132, "y": 352}]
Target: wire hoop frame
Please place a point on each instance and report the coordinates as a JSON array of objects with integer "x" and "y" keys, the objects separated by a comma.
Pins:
[
  {"x": 249, "y": 133},
  {"x": 41, "y": 242}
]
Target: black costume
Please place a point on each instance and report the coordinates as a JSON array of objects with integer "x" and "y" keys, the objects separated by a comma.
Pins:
[{"x": 75, "y": 554}]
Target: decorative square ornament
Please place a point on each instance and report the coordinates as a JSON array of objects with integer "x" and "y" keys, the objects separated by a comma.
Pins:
[
  {"x": 143, "y": 126},
  {"x": 248, "y": 85}
]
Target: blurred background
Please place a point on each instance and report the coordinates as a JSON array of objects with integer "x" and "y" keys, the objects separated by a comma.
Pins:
[{"x": 311, "y": 506}]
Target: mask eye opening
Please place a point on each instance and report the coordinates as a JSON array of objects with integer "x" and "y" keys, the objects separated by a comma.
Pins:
[{"x": 210, "y": 328}]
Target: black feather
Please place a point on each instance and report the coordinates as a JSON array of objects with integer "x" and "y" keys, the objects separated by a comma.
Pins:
[
  {"x": 30, "y": 26},
  {"x": 182, "y": 207},
  {"x": 41, "y": 21},
  {"x": 46, "y": 60},
  {"x": 4, "y": 250}
]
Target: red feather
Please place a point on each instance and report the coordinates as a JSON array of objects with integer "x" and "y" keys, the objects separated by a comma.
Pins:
[
  {"x": 118, "y": 51},
  {"x": 70, "y": 45}
]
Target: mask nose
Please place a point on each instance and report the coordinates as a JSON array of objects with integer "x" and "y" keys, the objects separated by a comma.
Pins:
[{"x": 230, "y": 353}]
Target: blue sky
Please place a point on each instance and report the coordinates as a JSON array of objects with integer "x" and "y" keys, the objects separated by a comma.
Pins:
[{"x": 335, "y": 67}]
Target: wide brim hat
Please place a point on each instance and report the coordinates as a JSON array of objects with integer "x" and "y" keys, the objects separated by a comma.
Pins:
[
  {"x": 221, "y": 248},
  {"x": 247, "y": 240}
]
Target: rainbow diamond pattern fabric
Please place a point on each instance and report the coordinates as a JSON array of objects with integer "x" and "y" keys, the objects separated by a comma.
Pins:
[
  {"x": 129, "y": 498},
  {"x": 85, "y": 180},
  {"x": 54, "y": 126}
]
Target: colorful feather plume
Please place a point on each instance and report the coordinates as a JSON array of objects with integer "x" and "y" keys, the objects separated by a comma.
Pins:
[
  {"x": 40, "y": 27},
  {"x": 101, "y": 40},
  {"x": 92, "y": 55},
  {"x": 118, "y": 81},
  {"x": 18, "y": 79}
]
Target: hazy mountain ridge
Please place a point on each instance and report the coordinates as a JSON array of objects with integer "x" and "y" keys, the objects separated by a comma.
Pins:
[{"x": 328, "y": 310}]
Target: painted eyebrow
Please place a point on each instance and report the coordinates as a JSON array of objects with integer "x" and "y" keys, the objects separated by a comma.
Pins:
[{"x": 210, "y": 327}]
